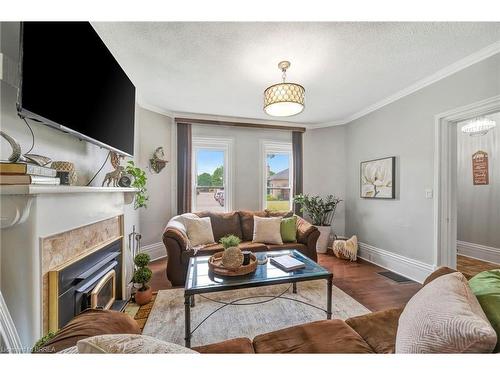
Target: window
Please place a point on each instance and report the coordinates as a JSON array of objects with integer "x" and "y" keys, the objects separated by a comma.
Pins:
[
  {"x": 211, "y": 174},
  {"x": 277, "y": 176}
]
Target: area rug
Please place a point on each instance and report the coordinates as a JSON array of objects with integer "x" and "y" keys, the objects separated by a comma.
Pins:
[{"x": 166, "y": 319}]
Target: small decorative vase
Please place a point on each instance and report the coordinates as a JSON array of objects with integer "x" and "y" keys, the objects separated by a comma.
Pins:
[
  {"x": 322, "y": 244},
  {"x": 143, "y": 297},
  {"x": 232, "y": 257},
  {"x": 66, "y": 166}
]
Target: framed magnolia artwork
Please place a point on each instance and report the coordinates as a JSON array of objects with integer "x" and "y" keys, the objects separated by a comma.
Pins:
[{"x": 377, "y": 178}]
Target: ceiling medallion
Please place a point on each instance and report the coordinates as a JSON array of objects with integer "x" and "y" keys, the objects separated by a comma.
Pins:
[
  {"x": 286, "y": 98},
  {"x": 478, "y": 126}
]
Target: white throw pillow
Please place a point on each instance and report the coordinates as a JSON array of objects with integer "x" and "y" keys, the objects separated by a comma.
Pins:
[
  {"x": 267, "y": 230},
  {"x": 199, "y": 231},
  {"x": 445, "y": 317},
  {"x": 129, "y": 344}
]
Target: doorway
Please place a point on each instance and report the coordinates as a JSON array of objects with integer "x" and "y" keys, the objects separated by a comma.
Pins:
[{"x": 445, "y": 176}]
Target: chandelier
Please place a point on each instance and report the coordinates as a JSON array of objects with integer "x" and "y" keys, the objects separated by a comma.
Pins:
[
  {"x": 286, "y": 98},
  {"x": 478, "y": 126}
]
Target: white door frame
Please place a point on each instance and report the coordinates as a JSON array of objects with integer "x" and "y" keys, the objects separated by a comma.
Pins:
[{"x": 445, "y": 177}]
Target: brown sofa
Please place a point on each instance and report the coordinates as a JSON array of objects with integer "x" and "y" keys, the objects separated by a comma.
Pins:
[
  {"x": 239, "y": 223},
  {"x": 369, "y": 333}
]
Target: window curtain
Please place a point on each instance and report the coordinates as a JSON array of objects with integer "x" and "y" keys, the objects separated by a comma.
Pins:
[
  {"x": 297, "y": 153},
  {"x": 184, "y": 183}
]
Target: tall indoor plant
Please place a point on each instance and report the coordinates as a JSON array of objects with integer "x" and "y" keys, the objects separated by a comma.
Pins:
[
  {"x": 321, "y": 211},
  {"x": 142, "y": 276}
]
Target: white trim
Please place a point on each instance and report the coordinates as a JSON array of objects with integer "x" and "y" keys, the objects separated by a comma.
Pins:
[
  {"x": 155, "y": 250},
  {"x": 267, "y": 146},
  {"x": 410, "y": 268},
  {"x": 477, "y": 251},
  {"x": 220, "y": 144},
  {"x": 156, "y": 109},
  {"x": 445, "y": 178}
]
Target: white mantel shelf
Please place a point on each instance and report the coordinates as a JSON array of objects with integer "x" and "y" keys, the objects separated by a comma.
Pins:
[
  {"x": 16, "y": 200},
  {"x": 60, "y": 189}
]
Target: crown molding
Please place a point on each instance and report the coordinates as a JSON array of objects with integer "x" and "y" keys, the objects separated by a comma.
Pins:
[{"x": 447, "y": 71}]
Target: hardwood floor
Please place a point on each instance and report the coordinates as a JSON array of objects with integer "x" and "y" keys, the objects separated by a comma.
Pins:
[
  {"x": 358, "y": 279},
  {"x": 471, "y": 267}
]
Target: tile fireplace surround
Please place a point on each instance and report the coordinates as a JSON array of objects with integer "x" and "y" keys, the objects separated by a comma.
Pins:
[{"x": 46, "y": 227}]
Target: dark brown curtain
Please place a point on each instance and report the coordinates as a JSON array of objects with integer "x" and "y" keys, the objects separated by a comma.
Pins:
[
  {"x": 184, "y": 183},
  {"x": 297, "y": 152}
]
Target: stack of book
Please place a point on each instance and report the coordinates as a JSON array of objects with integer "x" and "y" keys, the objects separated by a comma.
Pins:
[{"x": 27, "y": 174}]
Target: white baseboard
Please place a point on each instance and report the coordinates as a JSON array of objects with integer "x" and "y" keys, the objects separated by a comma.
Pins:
[
  {"x": 155, "y": 250},
  {"x": 481, "y": 252},
  {"x": 410, "y": 268}
]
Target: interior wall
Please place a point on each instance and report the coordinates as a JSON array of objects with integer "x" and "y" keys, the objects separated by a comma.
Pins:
[
  {"x": 478, "y": 206},
  {"x": 155, "y": 130},
  {"x": 246, "y": 159},
  {"x": 405, "y": 129},
  {"x": 325, "y": 168},
  {"x": 55, "y": 144}
]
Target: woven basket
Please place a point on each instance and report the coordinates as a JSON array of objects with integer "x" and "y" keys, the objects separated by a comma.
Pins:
[{"x": 215, "y": 265}]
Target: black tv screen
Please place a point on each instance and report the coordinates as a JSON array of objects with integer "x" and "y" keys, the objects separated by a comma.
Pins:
[{"x": 71, "y": 81}]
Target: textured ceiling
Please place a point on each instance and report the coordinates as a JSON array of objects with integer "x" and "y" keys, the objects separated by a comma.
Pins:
[{"x": 223, "y": 68}]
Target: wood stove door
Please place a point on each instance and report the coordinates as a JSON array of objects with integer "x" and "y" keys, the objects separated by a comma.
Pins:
[{"x": 104, "y": 293}]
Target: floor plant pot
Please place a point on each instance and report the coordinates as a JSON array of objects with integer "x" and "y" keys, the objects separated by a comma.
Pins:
[
  {"x": 322, "y": 244},
  {"x": 143, "y": 297}
]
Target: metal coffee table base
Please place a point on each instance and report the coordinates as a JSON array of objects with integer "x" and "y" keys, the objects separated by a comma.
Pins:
[{"x": 189, "y": 303}]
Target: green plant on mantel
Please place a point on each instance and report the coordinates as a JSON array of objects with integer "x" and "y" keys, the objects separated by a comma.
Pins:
[{"x": 140, "y": 179}]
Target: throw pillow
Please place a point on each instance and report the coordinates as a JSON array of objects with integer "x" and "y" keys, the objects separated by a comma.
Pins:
[
  {"x": 267, "y": 230},
  {"x": 346, "y": 249},
  {"x": 199, "y": 231},
  {"x": 486, "y": 288},
  {"x": 129, "y": 344},
  {"x": 444, "y": 317},
  {"x": 289, "y": 229}
]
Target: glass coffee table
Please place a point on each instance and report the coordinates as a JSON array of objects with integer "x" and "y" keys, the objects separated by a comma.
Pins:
[{"x": 200, "y": 280}]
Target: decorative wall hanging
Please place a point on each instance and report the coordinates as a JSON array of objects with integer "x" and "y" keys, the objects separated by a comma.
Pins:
[
  {"x": 158, "y": 161},
  {"x": 377, "y": 178},
  {"x": 480, "y": 175}
]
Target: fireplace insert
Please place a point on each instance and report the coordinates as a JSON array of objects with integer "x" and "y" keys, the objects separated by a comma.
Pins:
[{"x": 93, "y": 281}]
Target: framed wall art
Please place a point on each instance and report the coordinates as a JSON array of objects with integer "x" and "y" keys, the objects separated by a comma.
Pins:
[{"x": 377, "y": 178}]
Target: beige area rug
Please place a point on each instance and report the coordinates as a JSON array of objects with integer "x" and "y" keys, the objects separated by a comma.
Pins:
[{"x": 166, "y": 320}]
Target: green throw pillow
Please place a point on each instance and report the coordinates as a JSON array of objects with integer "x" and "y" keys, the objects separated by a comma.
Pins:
[
  {"x": 486, "y": 287},
  {"x": 289, "y": 229}
]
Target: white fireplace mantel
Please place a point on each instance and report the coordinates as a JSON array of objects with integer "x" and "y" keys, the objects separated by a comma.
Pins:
[
  {"x": 17, "y": 199},
  {"x": 32, "y": 213}
]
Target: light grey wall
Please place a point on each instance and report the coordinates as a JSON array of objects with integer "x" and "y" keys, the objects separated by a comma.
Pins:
[
  {"x": 478, "y": 210},
  {"x": 246, "y": 158},
  {"x": 405, "y": 129},
  {"x": 155, "y": 131},
  {"x": 325, "y": 167},
  {"x": 57, "y": 145}
]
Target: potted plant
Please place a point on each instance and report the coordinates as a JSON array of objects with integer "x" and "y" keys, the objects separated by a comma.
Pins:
[
  {"x": 142, "y": 275},
  {"x": 140, "y": 179},
  {"x": 232, "y": 257},
  {"x": 321, "y": 211}
]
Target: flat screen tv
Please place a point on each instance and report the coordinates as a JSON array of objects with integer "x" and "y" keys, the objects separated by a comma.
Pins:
[{"x": 70, "y": 80}]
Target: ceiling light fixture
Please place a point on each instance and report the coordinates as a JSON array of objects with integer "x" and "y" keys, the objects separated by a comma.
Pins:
[
  {"x": 478, "y": 126},
  {"x": 286, "y": 98}
]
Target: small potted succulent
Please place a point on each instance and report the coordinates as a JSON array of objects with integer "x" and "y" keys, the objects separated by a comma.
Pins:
[
  {"x": 142, "y": 275},
  {"x": 232, "y": 257}
]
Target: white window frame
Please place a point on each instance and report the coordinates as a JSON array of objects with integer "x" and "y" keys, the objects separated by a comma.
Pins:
[
  {"x": 216, "y": 144},
  {"x": 268, "y": 147}
]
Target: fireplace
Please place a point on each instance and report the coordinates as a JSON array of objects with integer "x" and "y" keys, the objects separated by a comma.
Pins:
[{"x": 89, "y": 281}]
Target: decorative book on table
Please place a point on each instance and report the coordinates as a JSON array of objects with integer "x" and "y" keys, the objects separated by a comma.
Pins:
[
  {"x": 287, "y": 263},
  {"x": 26, "y": 169},
  {"x": 28, "y": 180}
]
